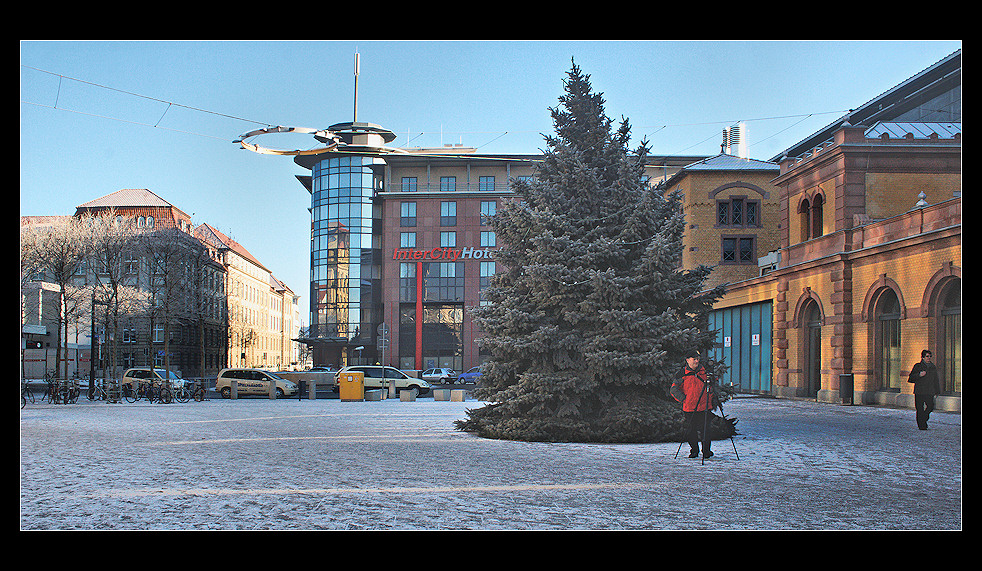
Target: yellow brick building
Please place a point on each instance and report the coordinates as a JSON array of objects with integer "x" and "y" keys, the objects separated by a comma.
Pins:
[
  {"x": 732, "y": 215},
  {"x": 870, "y": 270}
]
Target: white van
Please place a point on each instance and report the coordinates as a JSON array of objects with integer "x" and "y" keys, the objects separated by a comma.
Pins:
[
  {"x": 378, "y": 377},
  {"x": 136, "y": 375},
  {"x": 253, "y": 382}
]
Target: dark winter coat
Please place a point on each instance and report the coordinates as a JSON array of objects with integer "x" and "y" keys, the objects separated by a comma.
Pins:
[
  {"x": 689, "y": 390},
  {"x": 929, "y": 384}
]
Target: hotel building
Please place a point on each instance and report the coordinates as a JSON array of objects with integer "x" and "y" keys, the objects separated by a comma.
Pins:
[{"x": 401, "y": 250}]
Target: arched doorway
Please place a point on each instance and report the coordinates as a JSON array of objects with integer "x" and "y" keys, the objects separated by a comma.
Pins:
[{"x": 811, "y": 324}]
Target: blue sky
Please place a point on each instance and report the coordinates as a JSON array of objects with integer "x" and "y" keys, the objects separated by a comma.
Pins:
[{"x": 80, "y": 141}]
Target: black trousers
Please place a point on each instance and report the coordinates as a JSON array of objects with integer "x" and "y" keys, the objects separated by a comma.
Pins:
[
  {"x": 924, "y": 405},
  {"x": 697, "y": 421}
]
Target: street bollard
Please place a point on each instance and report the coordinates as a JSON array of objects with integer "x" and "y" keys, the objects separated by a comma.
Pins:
[
  {"x": 312, "y": 387},
  {"x": 235, "y": 389}
]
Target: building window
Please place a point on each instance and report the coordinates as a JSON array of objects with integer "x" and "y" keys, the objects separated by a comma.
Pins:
[
  {"x": 486, "y": 183},
  {"x": 448, "y": 183},
  {"x": 888, "y": 322},
  {"x": 816, "y": 215},
  {"x": 448, "y": 214},
  {"x": 951, "y": 342},
  {"x": 443, "y": 281},
  {"x": 738, "y": 212},
  {"x": 409, "y": 184},
  {"x": 487, "y": 270},
  {"x": 488, "y": 239},
  {"x": 811, "y": 218},
  {"x": 448, "y": 239},
  {"x": 131, "y": 265},
  {"x": 408, "y": 214},
  {"x": 407, "y": 239},
  {"x": 488, "y": 209},
  {"x": 739, "y": 250},
  {"x": 407, "y": 281}
]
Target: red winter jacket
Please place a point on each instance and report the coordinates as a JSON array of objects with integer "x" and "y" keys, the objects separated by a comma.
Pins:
[{"x": 688, "y": 390}]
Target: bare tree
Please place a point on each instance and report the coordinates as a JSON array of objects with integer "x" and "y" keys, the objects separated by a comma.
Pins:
[
  {"x": 116, "y": 272},
  {"x": 58, "y": 251},
  {"x": 173, "y": 257}
]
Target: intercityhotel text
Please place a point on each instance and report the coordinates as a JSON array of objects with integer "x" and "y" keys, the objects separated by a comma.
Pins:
[{"x": 449, "y": 254}]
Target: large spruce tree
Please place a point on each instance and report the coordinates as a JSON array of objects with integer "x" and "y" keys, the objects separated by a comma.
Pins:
[{"x": 590, "y": 312}]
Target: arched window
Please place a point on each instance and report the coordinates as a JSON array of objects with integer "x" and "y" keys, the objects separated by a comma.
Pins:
[
  {"x": 804, "y": 215},
  {"x": 950, "y": 344},
  {"x": 816, "y": 216},
  {"x": 887, "y": 323}
]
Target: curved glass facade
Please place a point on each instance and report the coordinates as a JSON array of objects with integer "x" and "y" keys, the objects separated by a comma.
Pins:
[{"x": 344, "y": 262}]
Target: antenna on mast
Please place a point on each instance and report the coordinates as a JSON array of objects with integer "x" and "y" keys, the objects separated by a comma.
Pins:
[{"x": 357, "y": 69}]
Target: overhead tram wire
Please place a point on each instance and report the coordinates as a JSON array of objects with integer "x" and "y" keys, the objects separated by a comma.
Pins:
[
  {"x": 269, "y": 124},
  {"x": 145, "y": 97}
]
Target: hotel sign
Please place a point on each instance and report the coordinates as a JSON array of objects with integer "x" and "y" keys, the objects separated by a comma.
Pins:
[{"x": 446, "y": 254}]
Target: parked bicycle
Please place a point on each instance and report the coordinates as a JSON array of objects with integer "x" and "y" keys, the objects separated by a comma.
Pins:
[
  {"x": 26, "y": 394},
  {"x": 99, "y": 391},
  {"x": 149, "y": 391},
  {"x": 69, "y": 392},
  {"x": 187, "y": 392}
]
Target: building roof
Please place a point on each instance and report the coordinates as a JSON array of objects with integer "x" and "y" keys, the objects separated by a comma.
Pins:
[
  {"x": 127, "y": 197},
  {"x": 724, "y": 162},
  {"x": 899, "y": 130},
  {"x": 943, "y": 75},
  {"x": 211, "y": 235}
]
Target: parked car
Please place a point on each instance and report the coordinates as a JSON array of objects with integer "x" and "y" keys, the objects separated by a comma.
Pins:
[
  {"x": 322, "y": 369},
  {"x": 439, "y": 375},
  {"x": 470, "y": 376},
  {"x": 378, "y": 377},
  {"x": 253, "y": 382},
  {"x": 134, "y": 376}
]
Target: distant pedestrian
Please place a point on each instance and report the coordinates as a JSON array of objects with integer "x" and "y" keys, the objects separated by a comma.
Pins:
[
  {"x": 924, "y": 375},
  {"x": 694, "y": 391}
]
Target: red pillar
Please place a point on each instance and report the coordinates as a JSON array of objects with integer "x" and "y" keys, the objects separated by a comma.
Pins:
[{"x": 419, "y": 315}]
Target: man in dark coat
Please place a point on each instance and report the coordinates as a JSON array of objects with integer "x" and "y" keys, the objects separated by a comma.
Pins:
[{"x": 924, "y": 375}]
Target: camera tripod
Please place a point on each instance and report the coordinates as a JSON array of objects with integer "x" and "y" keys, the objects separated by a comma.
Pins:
[{"x": 706, "y": 392}]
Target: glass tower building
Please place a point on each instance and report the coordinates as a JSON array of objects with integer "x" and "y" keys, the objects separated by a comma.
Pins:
[{"x": 345, "y": 260}]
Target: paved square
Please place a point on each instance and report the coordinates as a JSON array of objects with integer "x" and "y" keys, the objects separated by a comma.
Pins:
[{"x": 326, "y": 464}]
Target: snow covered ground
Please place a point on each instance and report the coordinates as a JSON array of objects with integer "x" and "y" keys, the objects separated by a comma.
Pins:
[{"x": 267, "y": 464}]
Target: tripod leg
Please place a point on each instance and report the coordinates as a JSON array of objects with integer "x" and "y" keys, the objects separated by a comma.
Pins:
[
  {"x": 685, "y": 433},
  {"x": 705, "y": 434},
  {"x": 731, "y": 438}
]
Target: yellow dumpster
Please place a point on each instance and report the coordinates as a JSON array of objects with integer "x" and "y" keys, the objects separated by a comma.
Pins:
[{"x": 351, "y": 385}]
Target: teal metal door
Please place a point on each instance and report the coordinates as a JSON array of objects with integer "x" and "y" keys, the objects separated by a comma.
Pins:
[{"x": 743, "y": 342}]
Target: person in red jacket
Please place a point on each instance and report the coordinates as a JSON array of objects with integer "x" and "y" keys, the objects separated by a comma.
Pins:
[{"x": 694, "y": 391}]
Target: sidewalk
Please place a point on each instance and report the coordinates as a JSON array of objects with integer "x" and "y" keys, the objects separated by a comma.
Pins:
[{"x": 325, "y": 464}]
